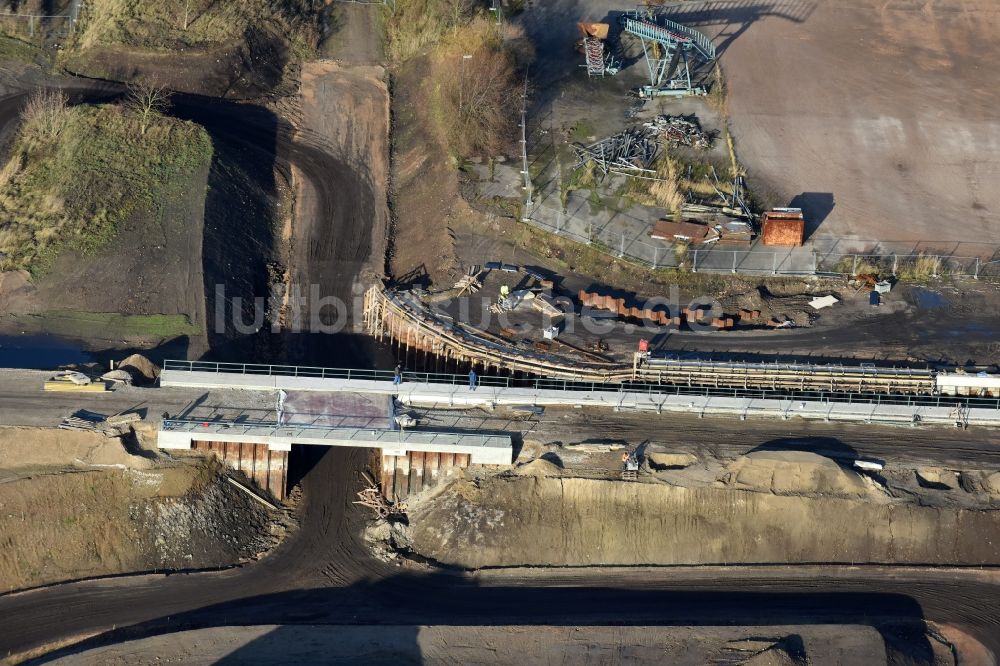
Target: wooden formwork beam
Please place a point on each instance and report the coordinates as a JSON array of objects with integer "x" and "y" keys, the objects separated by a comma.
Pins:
[{"x": 406, "y": 325}]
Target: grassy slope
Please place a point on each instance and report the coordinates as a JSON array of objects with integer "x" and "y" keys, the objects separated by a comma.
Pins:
[
  {"x": 198, "y": 23},
  {"x": 98, "y": 325},
  {"x": 73, "y": 191}
]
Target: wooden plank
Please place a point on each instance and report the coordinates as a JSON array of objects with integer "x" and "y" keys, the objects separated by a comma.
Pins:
[
  {"x": 403, "y": 471},
  {"x": 416, "y": 472},
  {"x": 398, "y": 491},
  {"x": 432, "y": 460},
  {"x": 283, "y": 476},
  {"x": 246, "y": 459},
  {"x": 388, "y": 472}
]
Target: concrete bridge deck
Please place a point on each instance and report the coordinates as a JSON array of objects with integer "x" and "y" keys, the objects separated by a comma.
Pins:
[
  {"x": 482, "y": 449},
  {"x": 863, "y": 408}
]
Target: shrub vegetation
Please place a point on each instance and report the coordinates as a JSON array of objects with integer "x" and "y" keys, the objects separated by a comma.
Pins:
[{"x": 76, "y": 173}]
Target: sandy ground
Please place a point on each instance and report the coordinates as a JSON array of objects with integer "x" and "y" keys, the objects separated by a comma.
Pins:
[
  {"x": 769, "y": 506},
  {"x": 819, "y": 645},
  {"x": 878, "y": 117},
  {"x": 76, "y": 505}
]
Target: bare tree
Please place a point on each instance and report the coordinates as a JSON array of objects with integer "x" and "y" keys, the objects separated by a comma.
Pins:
[
  {"x": 484, "y": 98},
  {"x": 147, "y": 100},
  {"x": 44, "y": 115}
]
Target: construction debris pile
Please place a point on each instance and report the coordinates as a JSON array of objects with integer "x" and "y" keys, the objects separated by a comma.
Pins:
[
  {"x": 111, "y": 426},
  {"x": 756, "y": 309},
  {"x": 774, "y": 310},
  {"x": 373, "y": 498},
  {"x": 629, "y": 153},
  {"x": 727, "y": 231},
  {"x": 680, "y": 131}
]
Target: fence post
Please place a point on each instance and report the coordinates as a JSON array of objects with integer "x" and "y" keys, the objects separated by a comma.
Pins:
[
  {"x": 656, "y": 255},
  {"x": 976, "y": 274},
  {"x": 855, "y": 271},
  {"x": 774, "y": 263},
  {"x": 895, "y": 264},
  {"x": 694, "y": 263},
  {"x": 734, "y": 262}
]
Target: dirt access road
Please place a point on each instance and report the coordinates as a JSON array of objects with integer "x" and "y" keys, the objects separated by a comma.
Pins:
[{"x": 514, "y": 646}]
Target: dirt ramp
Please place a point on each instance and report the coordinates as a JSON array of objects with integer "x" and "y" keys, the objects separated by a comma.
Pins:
[{"x": 534, "y": 520}]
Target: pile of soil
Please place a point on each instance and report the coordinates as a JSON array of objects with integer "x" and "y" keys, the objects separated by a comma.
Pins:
[
  {"x": 797, "y": 473},
  {"x": 793, "y": 306},
  {"x": 538, "y": 467},
  {"x": 143, "y": 370}
]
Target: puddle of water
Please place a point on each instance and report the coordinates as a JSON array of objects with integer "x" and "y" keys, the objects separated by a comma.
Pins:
[
  {"x": 925, "y": 298},
  {"x": 39, "y": 352},
  {"x": 972, "y": 329}
]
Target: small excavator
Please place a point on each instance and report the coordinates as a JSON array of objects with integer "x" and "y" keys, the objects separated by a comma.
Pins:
[{"x": 630, "y": 465}]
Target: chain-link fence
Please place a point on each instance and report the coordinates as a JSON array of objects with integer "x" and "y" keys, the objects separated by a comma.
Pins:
[
  {"x": 820, "y": 257},
  {"x": 36, "y": 28}
]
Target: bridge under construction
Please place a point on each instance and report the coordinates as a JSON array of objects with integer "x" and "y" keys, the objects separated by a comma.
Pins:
[{"x": 400, "y": 319}]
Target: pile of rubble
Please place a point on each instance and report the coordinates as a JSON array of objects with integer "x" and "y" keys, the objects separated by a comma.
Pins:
[
  {"x": 630, "y": 152},
  {"x": 680, "y": 131}
]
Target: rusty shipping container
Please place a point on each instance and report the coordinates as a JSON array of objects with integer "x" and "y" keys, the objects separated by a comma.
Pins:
[{"x": 784, "y": 226}]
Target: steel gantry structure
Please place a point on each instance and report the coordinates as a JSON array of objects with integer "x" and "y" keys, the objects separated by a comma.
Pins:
[{"x": 671, "y": 50}]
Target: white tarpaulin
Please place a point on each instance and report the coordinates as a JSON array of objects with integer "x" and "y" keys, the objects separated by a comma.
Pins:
[{"x": 823, "y": 302}]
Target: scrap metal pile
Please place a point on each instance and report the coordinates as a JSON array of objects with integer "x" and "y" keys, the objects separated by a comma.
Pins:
[
  {"x": 680, "y": 131},
  {"x": 630, "y": 152},
  {"x": 633, "y": 151}
]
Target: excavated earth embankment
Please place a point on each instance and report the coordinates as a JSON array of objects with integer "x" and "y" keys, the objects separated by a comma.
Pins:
[{"x": 765, "y": 508}]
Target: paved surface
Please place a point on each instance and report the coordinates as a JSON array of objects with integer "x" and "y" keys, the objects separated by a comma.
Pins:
[
  {"x": 448, "y": 395},
  {"x": 22, "y": 402},
  {"x": 484, "y": 449}
]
